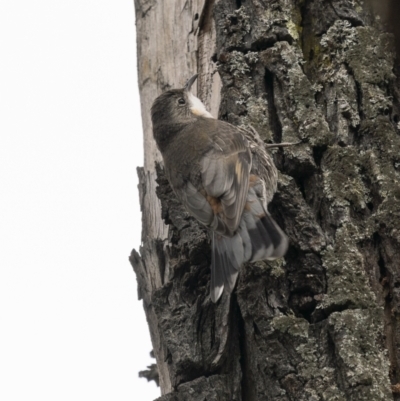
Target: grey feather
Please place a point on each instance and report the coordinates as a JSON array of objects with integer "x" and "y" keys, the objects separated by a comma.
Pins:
[
  {"x": 227, "y": 177},
  {"x": 217, "y": 273},
  {"x": 196, "y": 203},
  {"x": 228, "y": 256}
]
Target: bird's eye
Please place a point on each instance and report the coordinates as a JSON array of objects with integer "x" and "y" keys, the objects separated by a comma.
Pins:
[{"x": 181, "y": 101}]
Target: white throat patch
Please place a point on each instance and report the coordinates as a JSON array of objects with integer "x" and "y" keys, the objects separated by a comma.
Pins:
[{"x": 197, "y": 107}]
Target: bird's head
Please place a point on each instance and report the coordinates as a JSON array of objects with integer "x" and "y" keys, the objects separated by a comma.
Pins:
[{"x": 177, "y": 106}]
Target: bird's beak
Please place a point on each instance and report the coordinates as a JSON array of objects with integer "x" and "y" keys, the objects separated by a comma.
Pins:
[{"x": 190, "y": 82}]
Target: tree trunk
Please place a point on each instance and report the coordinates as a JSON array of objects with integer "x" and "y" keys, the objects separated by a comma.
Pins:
[{"x": 322, "y": 324}]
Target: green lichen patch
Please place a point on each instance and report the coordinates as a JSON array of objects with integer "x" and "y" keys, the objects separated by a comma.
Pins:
[
  {"x": 388, "y": 213},
  {"x": 235, "y": 26},
  {"x": 278, "y": 21},
  {"x": 316, "y": 372},
  {"x": 381, "y": 135},
  {"x": 257, "y": 116},
  {"x": 352, "y": 337},
  {"x": 292, "y": 325},
  {"x": 348, "y": 285},
  {"x": 237, "y": 63},
  {"x": 340, "y": 37},
  {"x": 293, "y": 29},
  {"x": 298, "y": 94},
  {"x": 301, "y": 226},
  {"x": 355, "y": 337},
  {"x": 343, "y": 186},
  {"x": 365, "y": 54},
  {"x": 277, "y": 270},
  {"x": 371, "y": 57}
]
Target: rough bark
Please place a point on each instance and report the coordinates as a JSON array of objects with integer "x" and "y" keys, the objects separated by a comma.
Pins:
[{"x": 322, "y": 324}]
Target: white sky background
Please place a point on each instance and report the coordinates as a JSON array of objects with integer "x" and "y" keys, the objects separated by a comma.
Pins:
[{"x": 71, "y": 327}]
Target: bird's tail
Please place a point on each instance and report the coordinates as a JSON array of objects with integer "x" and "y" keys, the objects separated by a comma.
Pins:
[{"x": 258, "y": 238}]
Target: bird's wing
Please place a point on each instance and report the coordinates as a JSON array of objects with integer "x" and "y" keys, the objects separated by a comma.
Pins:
[
  {"x": 215, "y": 194},
  {"x": 196, "y": 203},
  {"x": 225, "y": 170}
]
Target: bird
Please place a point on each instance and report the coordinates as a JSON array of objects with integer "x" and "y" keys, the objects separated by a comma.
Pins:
[{"x": 224, "y": 178}]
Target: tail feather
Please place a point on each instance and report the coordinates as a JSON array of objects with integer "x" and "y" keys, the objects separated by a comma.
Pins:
[
  {"x": 279, "y": 239},
  {"x": 227, "y": 257},
  {"x": 268, "y": 241},
  {"x": 217, "y": 273},
  {"x": 260, "y": 241},
  {"x": 258, "y": 238},
  {"x": 245, "y": 236}
]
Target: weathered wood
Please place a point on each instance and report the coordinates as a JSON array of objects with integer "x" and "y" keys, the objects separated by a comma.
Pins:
[{"x": 322, "y": 324}]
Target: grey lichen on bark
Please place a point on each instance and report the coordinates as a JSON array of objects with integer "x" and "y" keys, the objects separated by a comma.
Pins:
[{"x": 322, "y": 324}]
